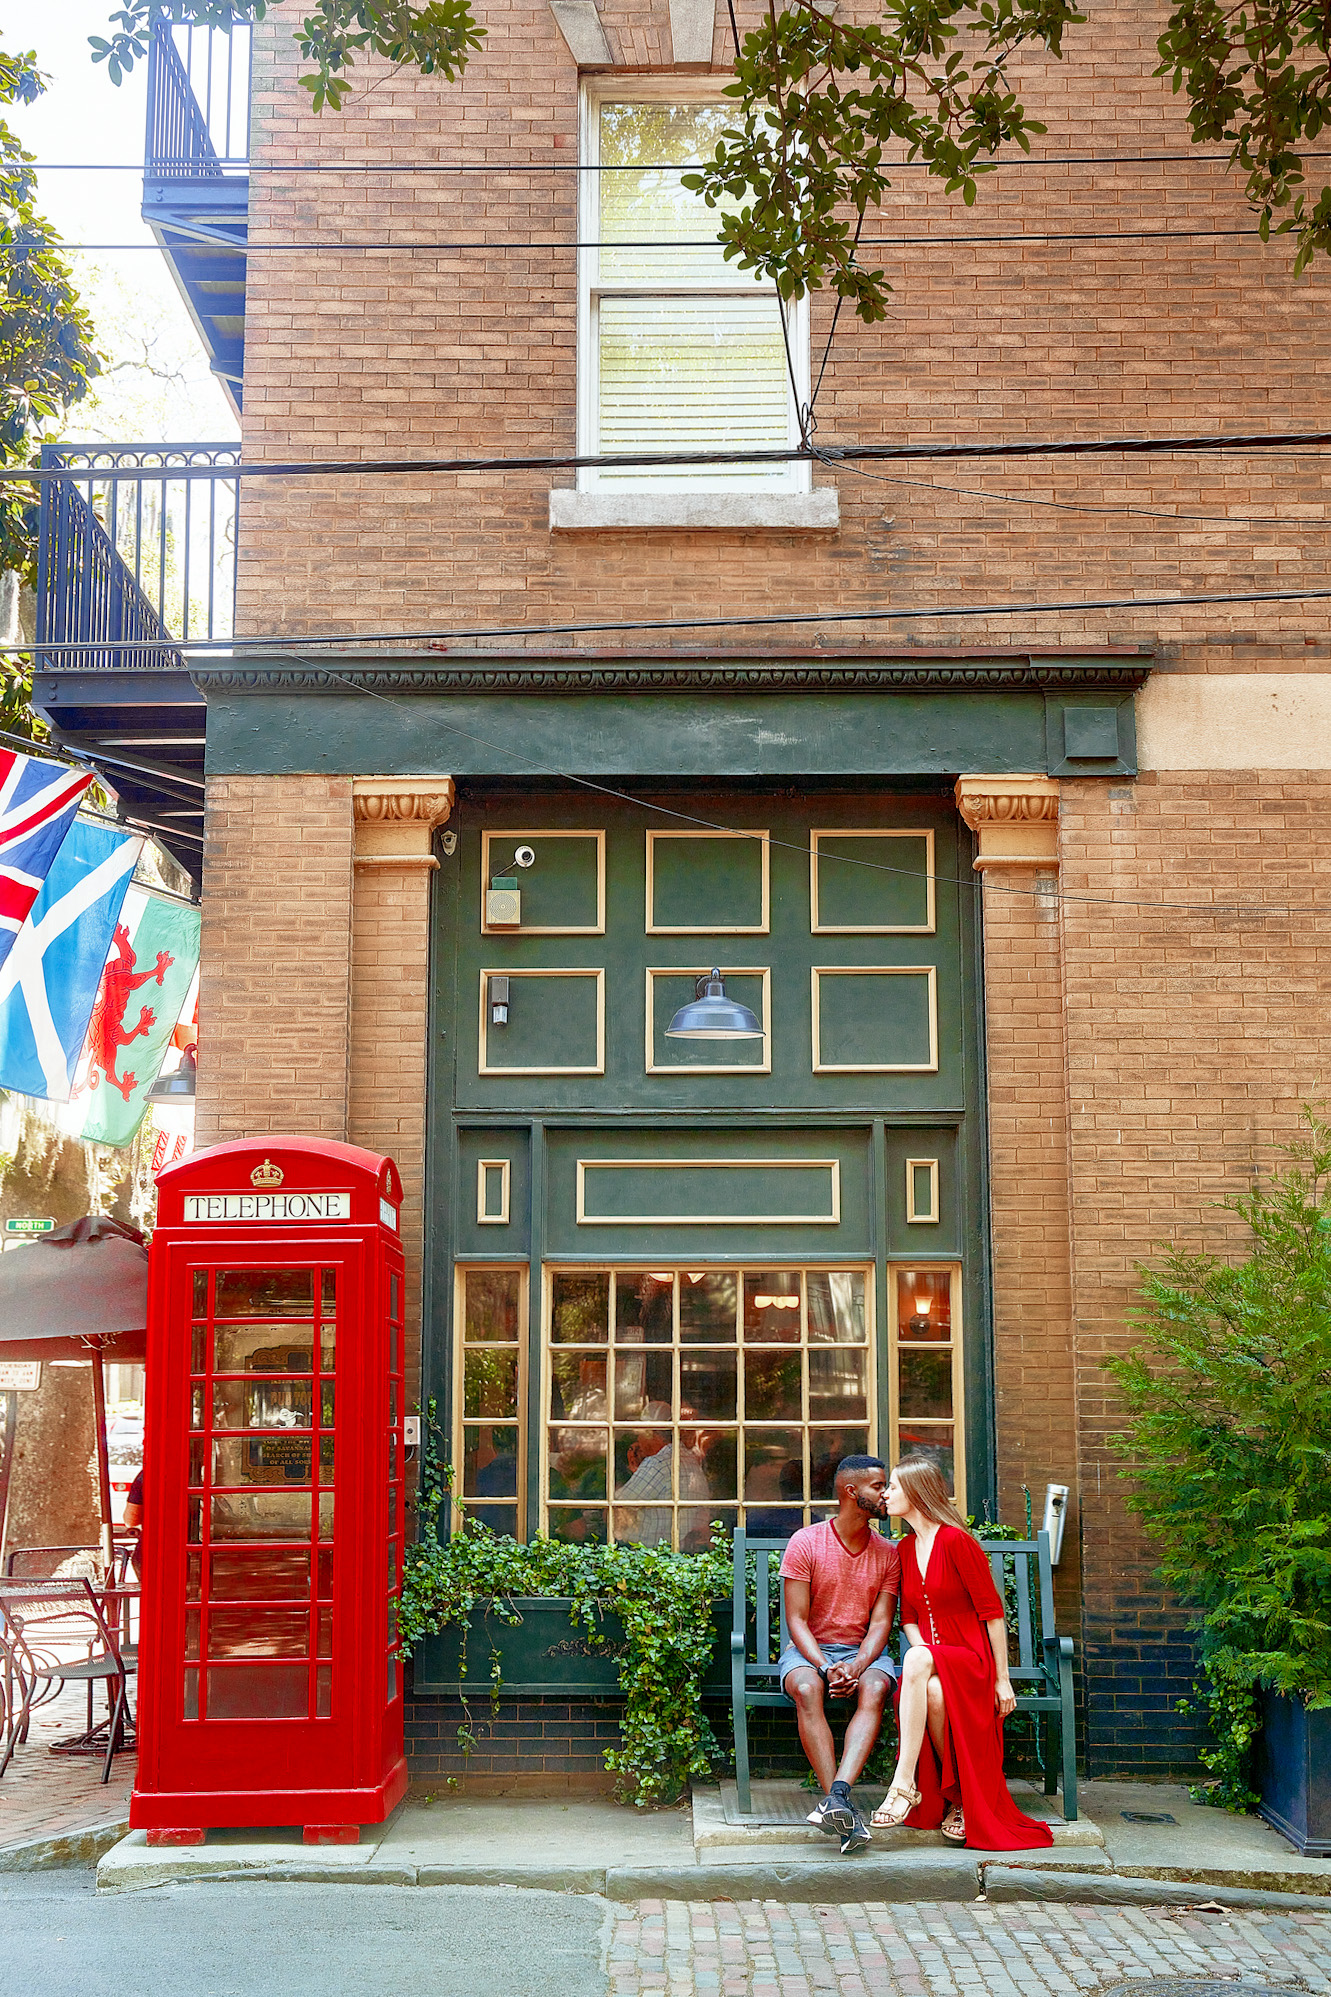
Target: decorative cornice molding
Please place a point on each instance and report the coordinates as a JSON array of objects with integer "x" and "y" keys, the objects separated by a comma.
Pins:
[
  {"x": 395, "y": 818},
  {"x": 510, "y": 675},
  {"x": 1015, "y": 819}
]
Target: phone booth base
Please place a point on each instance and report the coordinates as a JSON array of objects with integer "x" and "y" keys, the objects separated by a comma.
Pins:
[{"x": 270, "y": 1681}]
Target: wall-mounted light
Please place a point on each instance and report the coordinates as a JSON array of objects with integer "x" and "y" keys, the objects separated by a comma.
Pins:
[
  {"x": 1055, "y": 1518},
  {"x": 179, "y": 1083},
  {"x": 710, "y": 1015},
  {"x": 498, "y": 999}
]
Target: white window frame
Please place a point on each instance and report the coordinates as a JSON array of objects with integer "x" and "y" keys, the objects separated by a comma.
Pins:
[{"x": 798, "y": 474}]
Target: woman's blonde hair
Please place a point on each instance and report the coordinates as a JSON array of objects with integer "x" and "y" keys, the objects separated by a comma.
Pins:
[{"x": 922, "y": 1481}]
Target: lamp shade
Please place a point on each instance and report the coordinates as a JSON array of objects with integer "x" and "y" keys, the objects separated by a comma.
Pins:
[
  {"x": 710, "y": 1015},
  {"x": 181, "y": 1082}
]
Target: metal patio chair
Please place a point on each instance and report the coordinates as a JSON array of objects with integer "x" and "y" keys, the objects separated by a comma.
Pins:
[{"x": 54, "y": 1633}]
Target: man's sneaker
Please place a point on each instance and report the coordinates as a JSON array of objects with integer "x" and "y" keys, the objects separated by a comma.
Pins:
[
  {"x": 858, "y": 1837},
  {"x": 842, "y": 1816},
  {"x": 818, "y": 1817}
]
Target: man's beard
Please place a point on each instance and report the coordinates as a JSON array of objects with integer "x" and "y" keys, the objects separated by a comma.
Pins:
[{"x": 875, "y": 1507}]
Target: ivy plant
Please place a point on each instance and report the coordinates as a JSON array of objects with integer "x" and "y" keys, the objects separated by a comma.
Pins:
[
  {"x": 661, "y": 1600},
  {"x": 1228, "y": 1447}
]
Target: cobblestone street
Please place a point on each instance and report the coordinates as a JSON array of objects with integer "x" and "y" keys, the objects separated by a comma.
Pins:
[{"x": 766, "y": 1949}]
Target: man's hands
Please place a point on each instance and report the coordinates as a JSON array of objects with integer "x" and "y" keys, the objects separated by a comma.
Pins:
[{"x": 843, "y": 1679}]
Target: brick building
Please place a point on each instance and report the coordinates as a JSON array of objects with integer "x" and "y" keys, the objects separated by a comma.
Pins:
[{"x": 1027, "y": 933}]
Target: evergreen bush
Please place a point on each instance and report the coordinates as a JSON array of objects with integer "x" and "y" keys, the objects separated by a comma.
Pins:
[{"x": 1229, "y": 1449}]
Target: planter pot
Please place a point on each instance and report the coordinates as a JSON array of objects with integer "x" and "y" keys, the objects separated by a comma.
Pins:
[
  {"x": 545, "y": 1655},
  {"x": 1293, "y": 1771}
]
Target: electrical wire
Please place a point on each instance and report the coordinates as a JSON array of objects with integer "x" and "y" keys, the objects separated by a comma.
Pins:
[
  {"x": 1039, "y": 892},
  {"x": 829, "y": 454},
  {"x": 1086, "y": 506},
  {"x": 401, "y": 167},
  {"x": 242, "y": 650},
  {"x": 245, "y": 248}
]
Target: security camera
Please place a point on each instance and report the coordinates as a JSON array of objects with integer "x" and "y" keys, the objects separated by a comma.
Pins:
[{"x": 524, "y": 857}]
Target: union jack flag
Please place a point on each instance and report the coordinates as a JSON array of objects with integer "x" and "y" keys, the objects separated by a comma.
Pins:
[{"x": 38, "y": 801}]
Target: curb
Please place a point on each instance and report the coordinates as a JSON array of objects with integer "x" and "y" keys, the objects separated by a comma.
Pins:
[
  {"x": 69, "y": 1848},
  {"x": 1014, "y": 1882}
]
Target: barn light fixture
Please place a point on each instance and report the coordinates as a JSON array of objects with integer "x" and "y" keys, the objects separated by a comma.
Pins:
[
  {"x": 710, "y": 1015},
  {"x": 178, "y": 1084}
]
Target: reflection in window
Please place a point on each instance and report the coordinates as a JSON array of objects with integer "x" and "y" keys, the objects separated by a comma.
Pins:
[
  {"x": 491, "y": 1320},
  {"x": 677, "y": 1397},
  {"x": 926, "y": 1358}
]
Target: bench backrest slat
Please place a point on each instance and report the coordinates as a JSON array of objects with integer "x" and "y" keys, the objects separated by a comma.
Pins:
[{"x": 767, "y": 1553}]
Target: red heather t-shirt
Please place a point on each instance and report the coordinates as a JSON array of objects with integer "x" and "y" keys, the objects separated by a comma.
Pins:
[{"x": 843, "y": 1587}]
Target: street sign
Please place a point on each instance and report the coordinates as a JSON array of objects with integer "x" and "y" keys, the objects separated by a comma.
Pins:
[
  {"x": 28, "y": 1224},
  {"x": 20, "y": 1376}
]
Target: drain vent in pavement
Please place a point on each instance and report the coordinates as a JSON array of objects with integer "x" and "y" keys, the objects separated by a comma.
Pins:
[{"x": 1198, "y": 1986}]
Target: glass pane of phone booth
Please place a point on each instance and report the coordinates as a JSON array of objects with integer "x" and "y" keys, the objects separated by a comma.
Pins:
[{"x": 259, "y": 1562}]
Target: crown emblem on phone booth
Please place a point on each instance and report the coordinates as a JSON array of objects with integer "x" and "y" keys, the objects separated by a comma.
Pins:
[{"x": 266, "y": 1176}]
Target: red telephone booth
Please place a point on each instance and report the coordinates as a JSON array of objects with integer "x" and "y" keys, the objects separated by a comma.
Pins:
[{"x": 270, "y": 1688}]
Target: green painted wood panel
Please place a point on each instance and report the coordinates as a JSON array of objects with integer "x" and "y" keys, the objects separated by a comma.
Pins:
[{"x": 556, "y": 1024}]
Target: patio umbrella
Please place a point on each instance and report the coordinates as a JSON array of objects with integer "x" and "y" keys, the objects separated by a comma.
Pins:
[{"x": 77, "y": 1293}]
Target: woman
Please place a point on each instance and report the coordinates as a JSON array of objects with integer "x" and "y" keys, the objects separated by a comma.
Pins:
[{"x": 955, "y": 1687}]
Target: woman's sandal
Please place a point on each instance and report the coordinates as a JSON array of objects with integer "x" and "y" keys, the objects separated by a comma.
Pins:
[
  {"x": 953, "y": 1826},
  {"x": 895, "y": 1807}
]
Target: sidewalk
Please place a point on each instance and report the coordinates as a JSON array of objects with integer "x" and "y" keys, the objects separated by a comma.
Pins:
[
  {"x": 696, "y": 1853},
  {"x": 53, "y": 1807}
]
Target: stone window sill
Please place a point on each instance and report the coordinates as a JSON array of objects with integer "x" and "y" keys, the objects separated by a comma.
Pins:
[{"x": 602, "y": 512}]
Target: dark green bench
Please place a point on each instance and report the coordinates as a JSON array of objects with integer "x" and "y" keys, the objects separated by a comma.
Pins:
[{"x": 1041, "y": 1659}]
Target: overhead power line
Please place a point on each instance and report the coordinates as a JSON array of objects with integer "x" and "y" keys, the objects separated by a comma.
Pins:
[
  {"x": 247, "y": 249},
  {"x": 243, "y": 650},
  {"x": 827, "y": 454},
  {"x": 400, "y": 167},
  {"x": 1043, "y": 891}
]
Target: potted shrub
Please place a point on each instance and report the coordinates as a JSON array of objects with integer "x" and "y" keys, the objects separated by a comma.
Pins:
[{"x": 1228, "y": 1447}]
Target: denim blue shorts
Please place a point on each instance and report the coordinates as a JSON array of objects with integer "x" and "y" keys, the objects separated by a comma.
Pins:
[{"x": 835, "y": 1653}]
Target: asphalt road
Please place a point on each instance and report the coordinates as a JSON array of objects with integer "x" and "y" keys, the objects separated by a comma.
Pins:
[{"x": 58, "y": 1939}]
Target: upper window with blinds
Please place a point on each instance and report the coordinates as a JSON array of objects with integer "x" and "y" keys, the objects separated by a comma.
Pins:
[{"x": 680, "y": 350}]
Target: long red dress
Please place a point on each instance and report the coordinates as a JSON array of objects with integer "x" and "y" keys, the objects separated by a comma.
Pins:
[{"x": 950, "y": 1607}]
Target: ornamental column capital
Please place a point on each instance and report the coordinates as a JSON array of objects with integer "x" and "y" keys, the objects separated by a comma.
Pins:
[
  {"x": 395, "y": 818},
  {"x": 1015, "y": 819}
]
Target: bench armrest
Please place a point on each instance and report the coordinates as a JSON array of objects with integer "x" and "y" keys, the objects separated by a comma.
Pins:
[{"x": 736, "y": 1643}]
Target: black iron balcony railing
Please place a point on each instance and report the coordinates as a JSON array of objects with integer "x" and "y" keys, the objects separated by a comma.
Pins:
[
  {"x": 198, "y": 101},
  {"x": 123, "y": 561},
  {"x": 196, "y": 177}
]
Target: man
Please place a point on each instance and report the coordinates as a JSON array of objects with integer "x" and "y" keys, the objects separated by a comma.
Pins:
[
  {"x": 650, "y": 1458},
  {"x": 841, "y": 1583}
]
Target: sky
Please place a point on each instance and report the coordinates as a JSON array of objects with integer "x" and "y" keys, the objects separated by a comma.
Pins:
[{"x": 158, "y": 387}]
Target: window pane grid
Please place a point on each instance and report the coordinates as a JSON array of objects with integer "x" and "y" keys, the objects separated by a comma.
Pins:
[
  {"x": 490, "y": 1397},
  {"x": 259, "y": 1565},
  {"x": 926, "y": 1367},
  {"x": 743, "y": 1436}
]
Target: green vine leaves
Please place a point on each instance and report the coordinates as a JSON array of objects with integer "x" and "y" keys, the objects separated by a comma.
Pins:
[
  {"x": 820, "y": 104},
  {"x": 436, "y": 39},
  {"x": 662, "y": 1602}
]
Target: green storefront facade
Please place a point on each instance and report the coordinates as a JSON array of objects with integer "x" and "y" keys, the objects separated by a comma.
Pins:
[{"x": 666, "y": 1281}]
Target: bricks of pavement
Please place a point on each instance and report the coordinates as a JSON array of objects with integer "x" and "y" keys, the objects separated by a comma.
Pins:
[{"x": 773, "y": 1949}]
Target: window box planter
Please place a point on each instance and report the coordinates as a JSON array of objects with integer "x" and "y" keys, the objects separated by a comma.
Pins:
[
  {"x": 1293, "y": 1773},
  {"x": 546, "y": 1655}
]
